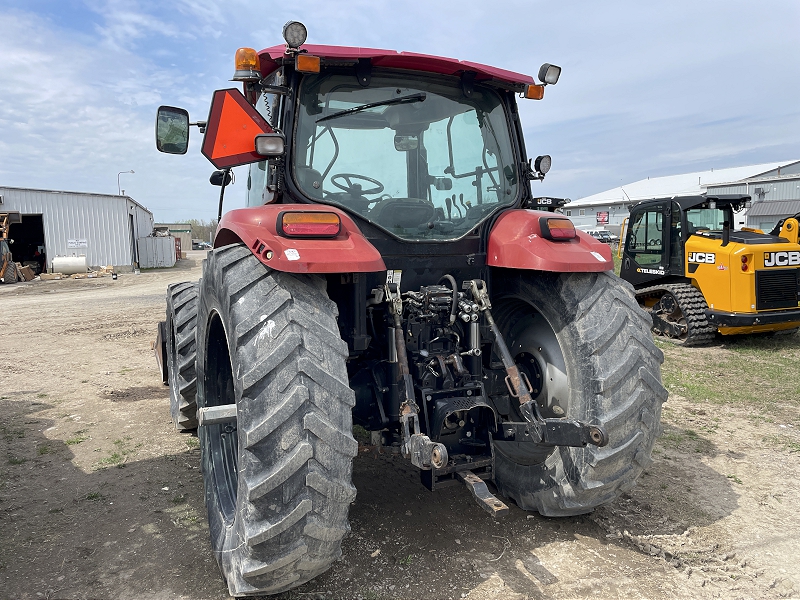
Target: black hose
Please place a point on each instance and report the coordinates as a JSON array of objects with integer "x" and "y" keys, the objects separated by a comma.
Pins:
[{"x": 454, "y": 305}]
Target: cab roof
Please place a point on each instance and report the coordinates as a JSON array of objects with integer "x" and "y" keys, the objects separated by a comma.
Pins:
[
  {"x": 271, "y": 59},
  {"x": 687, "y": 202}
]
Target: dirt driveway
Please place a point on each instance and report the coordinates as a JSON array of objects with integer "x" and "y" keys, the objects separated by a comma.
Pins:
[{"x": 100, "y": 498}]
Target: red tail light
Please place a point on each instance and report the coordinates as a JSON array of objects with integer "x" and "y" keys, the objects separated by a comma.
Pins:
[
  {"x": 309, "y": 224},
  {"x": 557, "y": 228}
]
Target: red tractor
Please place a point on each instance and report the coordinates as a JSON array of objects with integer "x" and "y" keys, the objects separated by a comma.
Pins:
[{"x": 391, "y": 271}]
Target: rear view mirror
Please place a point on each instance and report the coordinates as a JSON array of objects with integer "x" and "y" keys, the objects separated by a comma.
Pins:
[
  {"x": 172, "y": 130},
  {"x": 217, "y": 177},
  {"x": 405, "y": 143}
]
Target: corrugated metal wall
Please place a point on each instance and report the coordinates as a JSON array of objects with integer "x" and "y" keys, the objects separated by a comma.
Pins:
[
  {"x": 785, "y": 189},
  {"x": 156, "y": 252},
  {"x": 109, "y": 224}
]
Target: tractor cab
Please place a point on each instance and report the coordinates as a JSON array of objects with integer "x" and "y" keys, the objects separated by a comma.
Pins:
[{"x": 658, "y": 232}]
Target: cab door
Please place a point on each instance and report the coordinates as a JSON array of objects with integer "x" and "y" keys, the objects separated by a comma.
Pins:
[{"x": 647, "y": 245}]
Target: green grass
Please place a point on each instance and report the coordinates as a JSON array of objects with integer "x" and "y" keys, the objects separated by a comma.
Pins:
[
  {"x": 16, "y": 460},
  {"x": 760, "y": 372},
  {"x": 77, "y": 438},
  {"x": 782, "y": 441},
  {"x": 95, "y": 496},
  {"x": 44, "y": 449}
]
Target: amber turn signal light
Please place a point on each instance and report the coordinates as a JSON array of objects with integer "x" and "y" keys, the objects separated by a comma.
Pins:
[
  {"x": 306, "y": 63},
  {"x": 309, "y": 224},
  {"x": 534, "y": 92},
  {"x": 557, "y": 228}
]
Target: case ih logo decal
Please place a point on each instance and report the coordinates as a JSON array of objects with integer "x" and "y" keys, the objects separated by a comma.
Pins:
[
  {"x": 782, "y": 259},
  {"x": 707, "y": 258}
]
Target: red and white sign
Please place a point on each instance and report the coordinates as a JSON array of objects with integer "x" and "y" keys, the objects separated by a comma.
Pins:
[{"x": 602, "y": 217}]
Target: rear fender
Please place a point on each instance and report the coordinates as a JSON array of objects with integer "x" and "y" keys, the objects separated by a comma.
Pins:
[
  {"x": 256, "y": 227},
  {"x": 516, "y": 242}
]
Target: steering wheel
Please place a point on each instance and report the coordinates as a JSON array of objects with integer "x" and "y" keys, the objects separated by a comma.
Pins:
[{"x": 354, "y": 189}]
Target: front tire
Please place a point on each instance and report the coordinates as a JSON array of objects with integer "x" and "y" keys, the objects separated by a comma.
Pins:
[
  {"x": 278, "y": 481},
  {"x": 586, "y": 346}
]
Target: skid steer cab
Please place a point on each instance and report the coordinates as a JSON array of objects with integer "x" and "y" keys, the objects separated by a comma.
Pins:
[
  {"x": 387, "y": 273},
  {"x": 697, "y": 276}
]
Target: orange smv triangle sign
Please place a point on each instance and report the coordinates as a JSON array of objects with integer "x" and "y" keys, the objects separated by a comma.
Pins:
[{"x": 231, "y": 130}]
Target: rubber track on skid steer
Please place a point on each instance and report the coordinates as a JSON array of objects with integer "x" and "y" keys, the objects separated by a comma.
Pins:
[{"x": 693, "y": 306}]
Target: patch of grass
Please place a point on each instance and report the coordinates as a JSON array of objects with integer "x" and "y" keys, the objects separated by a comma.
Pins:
[
  {"x": 192, "y": 442},
  {"x": 41, "y": 395},
  {"x": 44, "y": 449},
  {"x": 759, "y": 372},
  {"x": 116, "y": 458},
  {"x": 734, "y": 478},
  {"x": 782, "y": 441},
  {"x": 16, "y": 460},
  {"x": 361, "y": 434},
  {"x": 178, "y": 499},
  {"x": 95, "y": 497},
  {"x": 10, "y": 433},
  {"x": 77, "y": 438},
  {"x": 407, "y": 560}
]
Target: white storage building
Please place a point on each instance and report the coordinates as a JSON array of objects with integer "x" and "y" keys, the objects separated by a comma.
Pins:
[
  {"x": 608, "y": 209},
  {"x": 103, "y": 227}
]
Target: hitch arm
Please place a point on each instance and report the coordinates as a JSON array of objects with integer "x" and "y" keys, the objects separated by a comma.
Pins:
[{"x": 557, "y": 432}]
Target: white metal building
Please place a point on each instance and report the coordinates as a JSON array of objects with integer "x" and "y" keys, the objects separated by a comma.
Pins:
[
  {"x": 102, "y": 227},
  {"x": 608, "y": 209}
]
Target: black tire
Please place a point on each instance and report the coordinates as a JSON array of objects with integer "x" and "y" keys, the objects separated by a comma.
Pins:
[
  {"x": 278, "y": 482},
  {"x": 182, "y": 300},
  {"x": 10, "y": 274},
  {"x": 589, "y": 342}
]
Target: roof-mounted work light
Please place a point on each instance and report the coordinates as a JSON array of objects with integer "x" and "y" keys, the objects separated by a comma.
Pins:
[
  {"x": 549, "y": 74},
  {"x": 295, "y": 33}
]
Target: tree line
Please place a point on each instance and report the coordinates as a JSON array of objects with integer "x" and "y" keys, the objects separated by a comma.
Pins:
[{"x": 203, "y": 230}]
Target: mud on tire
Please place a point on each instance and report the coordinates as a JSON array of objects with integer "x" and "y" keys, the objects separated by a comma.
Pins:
[
  {"x": 182, "y": 300},
  {"x": 609, "y": 374},
  {"x": 278, "y": 481}
]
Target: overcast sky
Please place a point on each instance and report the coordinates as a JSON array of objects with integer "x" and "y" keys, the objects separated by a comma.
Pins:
[{"x": 647, "y": 88}]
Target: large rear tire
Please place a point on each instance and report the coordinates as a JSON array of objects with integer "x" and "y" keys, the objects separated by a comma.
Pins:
[
  {"x": 181, "y": 354},
  {"x": 278, "y": 481},
  {"x": 586, "y": 346},
  {"x": 10, "y": 274}
]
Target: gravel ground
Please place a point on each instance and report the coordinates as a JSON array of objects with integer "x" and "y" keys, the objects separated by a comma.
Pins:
[{"x": 101, "y": 498}]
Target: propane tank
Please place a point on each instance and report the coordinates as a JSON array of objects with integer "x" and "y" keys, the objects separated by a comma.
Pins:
[{"x": 69, "y": 265}]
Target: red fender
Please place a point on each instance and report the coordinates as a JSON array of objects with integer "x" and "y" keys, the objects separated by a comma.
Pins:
[
  {"x": 516, "y": 242},
  {"x": 256, "y": 227}
]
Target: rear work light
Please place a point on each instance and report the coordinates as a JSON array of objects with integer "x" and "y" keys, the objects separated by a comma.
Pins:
[
  {"x": 309, "y": 224},
  {"x": 557, "y": 228}
]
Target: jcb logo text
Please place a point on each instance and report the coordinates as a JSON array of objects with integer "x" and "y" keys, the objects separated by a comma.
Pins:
[
  {"x": 707, "y": 258},
  {"x": 782, "y": 259}
]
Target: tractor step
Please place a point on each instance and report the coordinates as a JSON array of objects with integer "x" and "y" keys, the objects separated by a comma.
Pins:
[
  {"x": 485, "y": 499},
  {"x": 213, "y": 415}
]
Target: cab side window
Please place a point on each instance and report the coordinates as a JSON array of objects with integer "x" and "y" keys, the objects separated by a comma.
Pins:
[{"x": 646, "y": 237}]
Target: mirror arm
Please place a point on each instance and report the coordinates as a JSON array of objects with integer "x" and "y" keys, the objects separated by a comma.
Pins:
[
  {"x": 222, "y": 193},
  {"x": 201, "y": 125}
]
